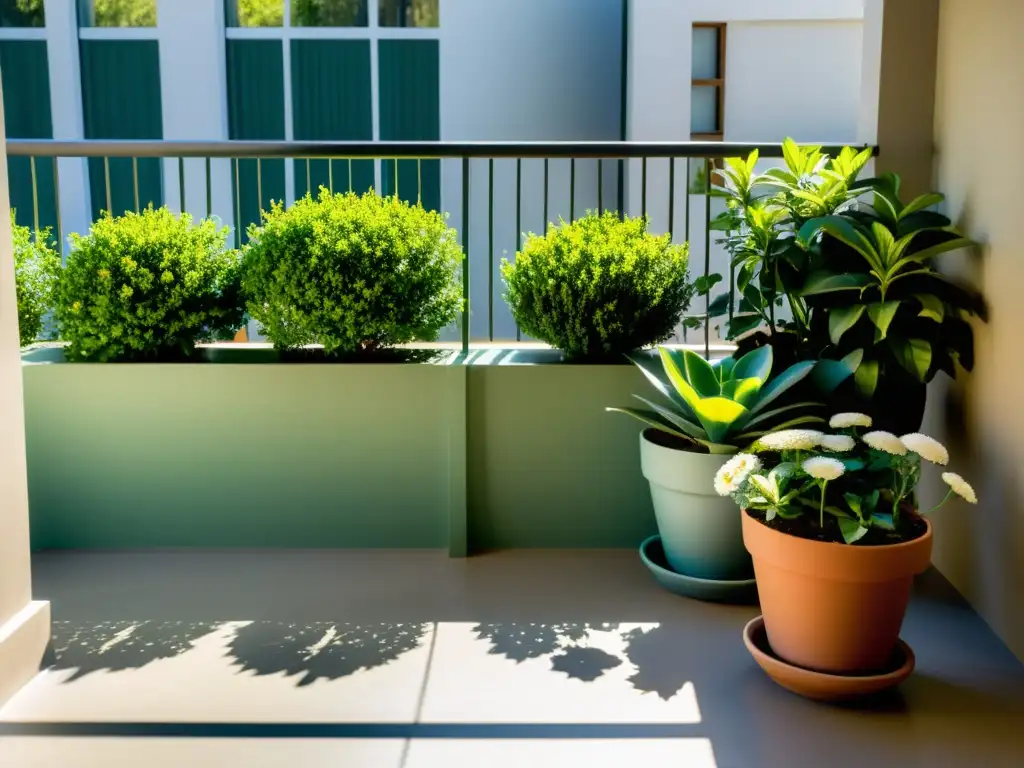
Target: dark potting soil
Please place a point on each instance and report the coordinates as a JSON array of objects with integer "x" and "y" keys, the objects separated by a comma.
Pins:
[{"x": 806, "y": 527}]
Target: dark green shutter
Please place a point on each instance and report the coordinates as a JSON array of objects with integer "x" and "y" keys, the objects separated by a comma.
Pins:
[
  {"x": 409, "y": 111},
  {"x": 121, "y": 100},
  {"x": 256, "y": 113},
  {"x": 331, "y": 101},
  {"x": 26, "y": 84}
]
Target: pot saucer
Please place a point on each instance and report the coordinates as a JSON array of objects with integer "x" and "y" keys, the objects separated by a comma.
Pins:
[
  {"x": 740, "y": 591},
  {"x": 823, "y": 686}
]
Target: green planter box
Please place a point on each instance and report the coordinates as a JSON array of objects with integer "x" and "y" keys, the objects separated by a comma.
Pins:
[{"x": 505, "y": 449}]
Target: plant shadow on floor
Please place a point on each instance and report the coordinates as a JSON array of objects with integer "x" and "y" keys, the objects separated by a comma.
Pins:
[
  {"x": 321, "y": 650},
  {"x": 118, "y": 645},
  {"x": 653, "y": 650}
]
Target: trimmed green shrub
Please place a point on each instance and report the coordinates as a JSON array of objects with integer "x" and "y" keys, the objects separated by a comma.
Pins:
[
  {"x": 148, "y": 285},
  {"x": 598, "y": 287},
  {"x": 354, "y": 273},
  {"x": 36, "y": 272}
]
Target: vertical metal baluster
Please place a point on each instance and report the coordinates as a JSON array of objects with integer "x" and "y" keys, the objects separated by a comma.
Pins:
[
  {"x": 419, "y": 181},
  {"x": 671, "y": 197},
  {"x": 490, "y": 252},
  {"x": 396, "y": 176},
  {"x": 209, "y": 189},
  {"x": 687, "y": 214},
  {"x": 572, "y": 189},
  {"x": 259, "y": 187},
  {"x": 622, "y": 188},
  {"x": 330, "y": 176},
  {"x": 106, "y": 178},
  {"x": 35, "y": 197},
  {"x": 643, "y": 187},
  {"x": 56, "y": 201},
  {"x": 600, "y": 187},
  {"x": 238, "y": 205},
  {"x": 519, "y": 221},
  {"x": 707, "y": 256},
  {"x": 181, "y": 182},
  {"x": 309, "y": 177},
  {"x": 546, "y": 221},
  {"x": 465, "y": 248},
  {"x": 135, "y": 182},
  {"x": 350, "y": 174}
]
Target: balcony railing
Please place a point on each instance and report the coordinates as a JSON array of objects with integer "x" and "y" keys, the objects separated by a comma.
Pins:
[{"x": 491, "y": 190}]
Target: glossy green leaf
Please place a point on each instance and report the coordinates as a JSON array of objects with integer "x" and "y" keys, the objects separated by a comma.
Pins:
[
  {"x": 782, "y": 384},
  {"x": 866, "y": 378},
  {"x": 883, "y": 521},
  {"x": 852, "y": 530},
  {"x": 931, "y": 307},
  {"x": 765, "y": 417},
  {"x": 853, "y": 502},
  {"x": 742, "y": 323},
  {"x": 915, "y": 355},
  {"x": 700, "y": 374},
  {"x": 743, "y": 391},
  {"x": 703, "y": 284},
  {"x": 921, "y": 202},
  {"x": 724, "y": 367},
  {"x": 756, "y": 363},
  {"x": 842, "y": 319},
  {"x": 719, "y": 305},
  {"x": 884, "y": 241},
  {"x": 853, "y": 465},
  {"x": 677, "y": 421},
  {"x": 845, "y": 231},
  {"x": 678, "y": 380},
  {"x": 651, "y": 419},
  {"x": 717, "y": 415},
  {"x": 798, "y": 421},
  {"x": 829, "y": 374},
  {"x": 881, "y": 314},
  {"x": 658, "y": 380},
  {"x": 927, "y": 254},
  {"x": 793, "y": 156},
  {"x": 829, "y": 282}
]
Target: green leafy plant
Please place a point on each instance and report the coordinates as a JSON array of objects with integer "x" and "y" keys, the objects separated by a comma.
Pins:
[
  {"x": 598, "y": 287},
  {"x": 844, "y": 487},
  {"x": 147, "y": 285},
  {"x": 859, "y": 278},
  {"x": 720, "y": 407},
  {"x": 36, "y": 272},
  {"x": 352, "y": 272}
]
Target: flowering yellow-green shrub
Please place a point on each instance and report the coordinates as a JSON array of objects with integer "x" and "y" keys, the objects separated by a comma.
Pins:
[
  {"x": 148, "y": 285},
  {"x": 598, "y": 287},
  {"x": 352, "y": 272},
  {"x": 36, "y": 271}
]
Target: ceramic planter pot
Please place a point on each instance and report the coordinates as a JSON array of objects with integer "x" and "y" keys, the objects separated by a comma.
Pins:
[
  {"x": 833, "y": 608},
  {"x": 700, "y": 531}
]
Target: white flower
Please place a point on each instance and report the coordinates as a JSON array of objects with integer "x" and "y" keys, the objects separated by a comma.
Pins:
[
  {"x": 926, "y": 447},
  {"x": 823, "y": 467},
  {"x": 885, "y": 441},
  {"x": 845, "y": 420},
  {"x": 837, "y": 443},
  {"x": 790, "y": 440},
  {"x": 734, "y": 472},
  {"x": 960, "y": 487}
]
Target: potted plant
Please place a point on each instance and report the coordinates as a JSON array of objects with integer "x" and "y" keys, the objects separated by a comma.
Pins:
[
  {"x": 598, "y": 287},
  {"x": 711, "y": 411},
  {"x": 831, "y": 523},
  {"x": 36, "y": 272},
  {"x": 821, "y": 271}
]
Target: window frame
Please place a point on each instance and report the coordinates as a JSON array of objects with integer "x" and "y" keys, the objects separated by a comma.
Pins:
[{"x": 716, "y": 82}]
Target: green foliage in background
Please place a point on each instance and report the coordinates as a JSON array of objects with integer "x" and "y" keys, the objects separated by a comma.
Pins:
[
  {"x": 125, "y": 13},
  {"x": 352, "y": 272},
  {"x": 148, "y": 286},
  {"x": 21, "y": 13},
  {"x": 36, "y": 272},
  {"x": 598, "y": 287}
]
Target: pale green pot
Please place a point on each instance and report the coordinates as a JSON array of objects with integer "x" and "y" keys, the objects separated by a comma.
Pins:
[{"x": 701, "y": 531}]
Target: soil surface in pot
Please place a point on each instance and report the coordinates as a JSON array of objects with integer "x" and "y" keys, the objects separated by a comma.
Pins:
[
  {"x": 665, "y": 440},
  {"x": 806, "y": 527}
]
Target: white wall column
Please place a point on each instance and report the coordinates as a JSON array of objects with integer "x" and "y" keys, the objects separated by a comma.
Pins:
[
  {"x": 24, "y": 624},
  {"x": 194, "y": 93},
  {"x": 62, "y": 52}
]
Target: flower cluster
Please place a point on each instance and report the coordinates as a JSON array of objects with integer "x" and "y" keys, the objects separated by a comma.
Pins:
[{"x": 859, "y": 481}]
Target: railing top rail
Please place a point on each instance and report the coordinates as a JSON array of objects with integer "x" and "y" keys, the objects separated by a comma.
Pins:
[{"x": 397, "y": 149}]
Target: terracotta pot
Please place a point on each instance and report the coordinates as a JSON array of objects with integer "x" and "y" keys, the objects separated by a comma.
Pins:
[{"x": 833, "y": 607}]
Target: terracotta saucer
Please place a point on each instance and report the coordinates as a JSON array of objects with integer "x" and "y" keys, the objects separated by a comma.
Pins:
[
  {"x": 739, "y": 591},
  {"x": 822, "y": 686}
]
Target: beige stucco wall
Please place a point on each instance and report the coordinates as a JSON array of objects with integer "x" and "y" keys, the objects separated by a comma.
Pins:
[{"x": 979, "y": 130}]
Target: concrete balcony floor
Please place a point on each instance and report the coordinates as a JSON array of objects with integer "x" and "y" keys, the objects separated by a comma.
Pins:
[{"x": 538, "y": 658}]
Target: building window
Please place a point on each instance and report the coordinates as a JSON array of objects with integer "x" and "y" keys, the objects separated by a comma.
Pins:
[
  {"x": 707, "y": 95},
  {"x": 255, "y": 13},
  {"x": 21, "y": 13},
  {"x": 303, "y": 13},
  {"x": 117, "y": 13},
  {"x": 409, "y": 13}
]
